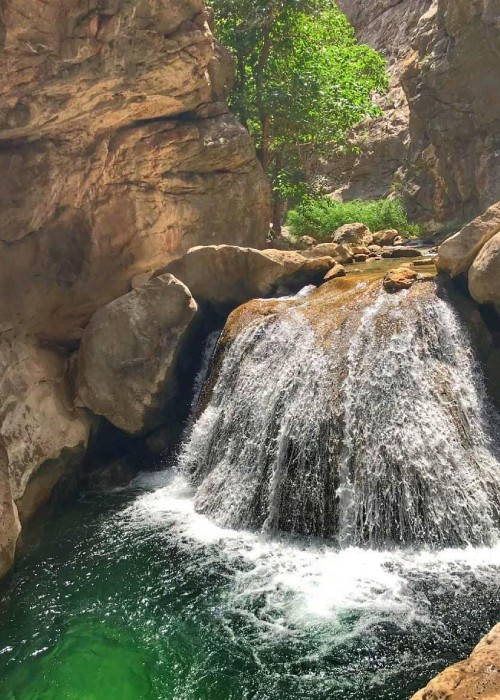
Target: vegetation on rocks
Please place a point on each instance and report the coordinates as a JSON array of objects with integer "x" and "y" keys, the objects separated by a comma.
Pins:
[
  {"x": 302, "y": 80},
  {"x": 321, "y": 217}
]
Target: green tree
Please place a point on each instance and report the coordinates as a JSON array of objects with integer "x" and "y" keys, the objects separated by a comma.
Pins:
[{"x": 302, "y": 80}]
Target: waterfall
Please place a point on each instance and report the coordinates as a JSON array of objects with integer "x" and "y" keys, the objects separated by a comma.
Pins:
[{"x": 349, "y": 414}]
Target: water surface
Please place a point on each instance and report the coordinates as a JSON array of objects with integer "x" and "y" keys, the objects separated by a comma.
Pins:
[{"x": 131, "y": 595}]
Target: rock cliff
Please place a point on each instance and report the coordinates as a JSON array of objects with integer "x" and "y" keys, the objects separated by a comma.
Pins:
[
  {"x": 390, "y": 27},
  {"x": 438, "y": 141},
  {"x": 117, "y": 154}
]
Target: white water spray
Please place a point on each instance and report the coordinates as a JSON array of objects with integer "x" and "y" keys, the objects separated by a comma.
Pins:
[{"x": 382, "y": 435}]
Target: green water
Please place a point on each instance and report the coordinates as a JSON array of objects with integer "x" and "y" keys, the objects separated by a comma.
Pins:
[{"x": 132, "y": 596}]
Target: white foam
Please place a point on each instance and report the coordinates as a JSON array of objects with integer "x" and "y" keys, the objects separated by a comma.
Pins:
[{"x": 303, "y": 583}]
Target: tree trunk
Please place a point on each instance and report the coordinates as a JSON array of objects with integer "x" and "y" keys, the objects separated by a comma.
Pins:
[
  {"x": 278, "y": 204},
  {"x": 265, "y": 122},
  {"x": 264, "y": 151},
  {"x": 278, "y": 211}
]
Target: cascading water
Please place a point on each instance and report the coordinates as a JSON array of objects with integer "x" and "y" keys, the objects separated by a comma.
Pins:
[
  {"x": 355, "y": 415},
  {"x": 344, "y": 413}
]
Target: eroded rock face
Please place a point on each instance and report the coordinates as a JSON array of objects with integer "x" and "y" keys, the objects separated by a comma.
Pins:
[
  {"x": 378, "y": 166},
  {"x": 457, "y": 253},
  {"x": 226, "y": 276},
  {"x": 484, "y": 274},
  {"x": 118, "y": 154},
  {"x": 10, "y": 526},
  {"x": 476, "y": 677},
  {"x": 455, "y": 108},
  {"x": 129, "y": 352},
  {"x": 39, "y": 424},
  {"x": 438, "y": 141}
]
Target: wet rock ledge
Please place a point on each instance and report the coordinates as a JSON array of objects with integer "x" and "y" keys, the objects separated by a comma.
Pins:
[{"x": 476, "y": 677}]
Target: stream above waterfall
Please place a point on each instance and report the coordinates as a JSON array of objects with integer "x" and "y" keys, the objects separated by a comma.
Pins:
[{"x": 329, "y": 530}]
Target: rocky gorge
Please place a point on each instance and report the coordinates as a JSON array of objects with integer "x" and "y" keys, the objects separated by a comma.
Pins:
[
  {"x": 437, "y": 140},
  {"x": 142, "y": 310}
]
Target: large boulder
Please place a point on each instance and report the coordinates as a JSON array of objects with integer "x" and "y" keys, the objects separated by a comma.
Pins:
[
  {"x": 321, "y": 250},
  {"x": 400, "y": 278},
  {"x": 341, "y": 253},
  {"x": 129, "y": 353},
  {"x": 226, "y": 276},
  {"x": 385, "y": 237},
  {"x": 337, "y": 270},
  {"x": 119, "y": 153},
  {"x": 484, "y": 274},
  {"x": 476, "y": 677},
  {"x": 457, "y": 253},
  {"x": 353, "y": 234}
]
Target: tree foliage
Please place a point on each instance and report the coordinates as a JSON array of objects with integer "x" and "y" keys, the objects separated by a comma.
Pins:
[{"x": 301, "y": 78}]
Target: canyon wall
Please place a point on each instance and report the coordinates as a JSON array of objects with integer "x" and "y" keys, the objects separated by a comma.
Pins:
[
  {"x": 117, "y": 154},
  {"x": 438, "y": 142}
]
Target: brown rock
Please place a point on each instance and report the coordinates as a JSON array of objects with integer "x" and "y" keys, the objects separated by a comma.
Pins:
[
  {"x": 484, "y": 274},
  {"x": 377, "y": 249},
  {"x": 120, "y": 154},
  {"x": 354, "y": 234},
  {"x": 454, "y": 112},
  {"x": 476, "y": 677},
  {"x": 424, "y": 262},
  {"x": 400, "y": 278},
  {"x": 360, "y": 258},
  {"x": 141, "y": 278},
  {"x": 344, "y": 254},
  {"x": 336, "y": 271},
  {"x": 128, "y": 356},
  {"x": 39, "y": 424},
  {"x": 305, "y": 242},
  {"x": 330, "y": 250},
  {"x": 457, "y": 253},
  {"x": 385, "y": 237},
  {"x": 360, "y": 250},
  {"x": 227, "y": 276}
]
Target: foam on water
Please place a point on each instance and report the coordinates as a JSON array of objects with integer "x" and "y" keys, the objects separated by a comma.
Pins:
[{"x": 305, "y": 582}]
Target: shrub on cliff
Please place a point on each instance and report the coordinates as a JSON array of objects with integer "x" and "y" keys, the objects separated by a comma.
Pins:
[
  {"x": 321, "y": 217},
  {"x": 302, "y": 80}
]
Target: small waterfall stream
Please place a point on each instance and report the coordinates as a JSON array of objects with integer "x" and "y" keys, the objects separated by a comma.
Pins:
[{"x": 365, "y": 420}]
